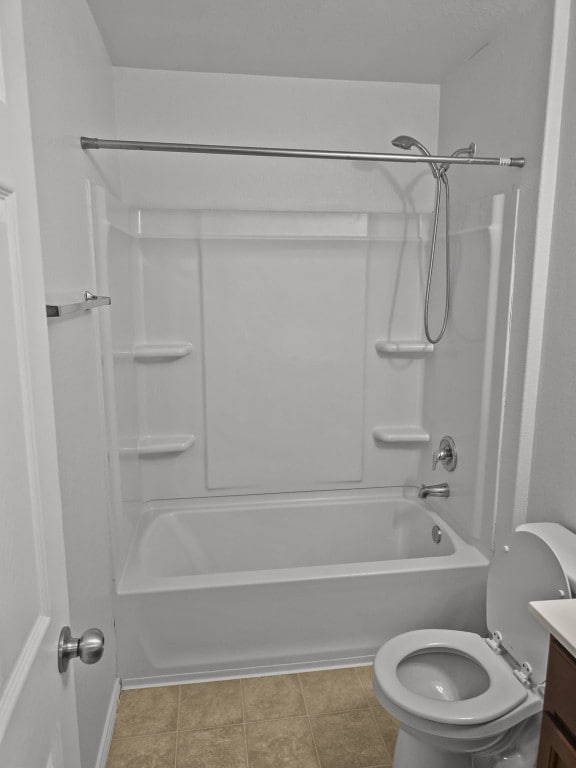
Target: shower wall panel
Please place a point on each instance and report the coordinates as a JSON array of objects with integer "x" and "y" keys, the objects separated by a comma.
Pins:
[
  {"x": 245, "y": 355},
  {"x": 284, "y": 362},
  {"x": 119, "y": 278},
  {"x": 464, "y": 390}
]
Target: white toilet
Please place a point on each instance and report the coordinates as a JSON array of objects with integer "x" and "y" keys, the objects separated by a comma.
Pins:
[{"x": 460, "y": 697}]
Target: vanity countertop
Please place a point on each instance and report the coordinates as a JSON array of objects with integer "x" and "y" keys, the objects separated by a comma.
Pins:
[{"x": 559, "y": 618}]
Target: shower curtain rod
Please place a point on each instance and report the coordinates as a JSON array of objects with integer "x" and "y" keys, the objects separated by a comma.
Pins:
[{"x": 220, "y": 149}]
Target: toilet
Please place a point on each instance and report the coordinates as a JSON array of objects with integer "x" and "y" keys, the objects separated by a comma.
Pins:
[{"x": 463, "y": 700}]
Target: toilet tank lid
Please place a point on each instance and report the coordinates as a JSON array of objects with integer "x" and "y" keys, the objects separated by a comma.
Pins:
[
  {"x": 561, "y": 541},
  {"x": 524, "y": 568}
]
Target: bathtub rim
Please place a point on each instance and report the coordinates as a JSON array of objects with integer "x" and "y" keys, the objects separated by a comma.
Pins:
[{"x": 133, "y": 582}]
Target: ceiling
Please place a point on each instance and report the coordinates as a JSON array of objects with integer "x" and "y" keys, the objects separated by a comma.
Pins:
[{"x": 388, "y": 40}]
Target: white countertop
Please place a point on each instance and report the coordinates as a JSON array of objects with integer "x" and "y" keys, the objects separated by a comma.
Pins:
[{"x": 559, "y": 618}]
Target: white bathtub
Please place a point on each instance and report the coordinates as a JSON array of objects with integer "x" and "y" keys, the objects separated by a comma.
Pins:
[{"x": 228, "y": 586}]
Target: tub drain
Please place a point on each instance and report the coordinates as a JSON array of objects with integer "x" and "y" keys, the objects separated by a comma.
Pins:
[{"x": 436, "y": 534}]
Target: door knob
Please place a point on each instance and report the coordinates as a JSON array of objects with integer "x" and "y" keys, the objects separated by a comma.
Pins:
[{"x": 88, "y": 648}]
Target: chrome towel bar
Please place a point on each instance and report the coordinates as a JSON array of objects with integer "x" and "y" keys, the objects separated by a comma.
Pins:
[{"x": 90, "y": 301}]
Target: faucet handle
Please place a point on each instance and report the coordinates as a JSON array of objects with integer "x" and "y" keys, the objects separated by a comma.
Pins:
[
  {"x": 446, "y": 454},
  {"x": 438, "y": 455}
]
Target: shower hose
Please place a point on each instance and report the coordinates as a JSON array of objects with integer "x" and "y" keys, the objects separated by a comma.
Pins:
[{"x": 441, "y": 180}]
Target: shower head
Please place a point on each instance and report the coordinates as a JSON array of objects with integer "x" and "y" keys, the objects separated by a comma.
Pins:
[{"x": 409, "y": 142}]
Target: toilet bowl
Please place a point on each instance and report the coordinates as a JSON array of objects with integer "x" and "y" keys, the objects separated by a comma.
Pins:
[{"x": 459, "y": 696}]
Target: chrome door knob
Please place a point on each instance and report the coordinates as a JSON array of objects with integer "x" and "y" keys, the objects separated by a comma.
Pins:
[{"x": 89, "y": 648}]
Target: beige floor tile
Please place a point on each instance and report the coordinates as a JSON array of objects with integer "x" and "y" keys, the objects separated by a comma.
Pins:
[
  {"x": 365, "y": 674},
  {"x": 147, "y": 710},
  {"x": 207, "y": 705},
  {"x": 284, "y": 743},
  {"x": 333, "y": 690},
  {"x": 155, "y": 751},
  {"x": 270, "y": 697},
  {"x": 387, "y": 726},
  {"x": 349, "y": 740},
  {"x": 214, "y": 748}
]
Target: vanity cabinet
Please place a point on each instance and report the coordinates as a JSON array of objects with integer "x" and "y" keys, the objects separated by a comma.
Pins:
[
  {"x": 558, "y": 736},
  {"x": 556, "y": 750}
]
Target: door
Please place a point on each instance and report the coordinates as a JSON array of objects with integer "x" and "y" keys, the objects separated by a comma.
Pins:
[{"x": 38, "y": 724}]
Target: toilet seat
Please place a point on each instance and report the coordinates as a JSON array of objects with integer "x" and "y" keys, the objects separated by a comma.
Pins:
[{"x": 504, "y": 692}]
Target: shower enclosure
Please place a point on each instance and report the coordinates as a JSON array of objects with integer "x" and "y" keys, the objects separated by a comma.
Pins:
[{"x": 271, "y": 395}]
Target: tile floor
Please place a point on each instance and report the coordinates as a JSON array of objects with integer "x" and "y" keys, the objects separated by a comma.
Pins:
[{"x": 327, "y": 719}]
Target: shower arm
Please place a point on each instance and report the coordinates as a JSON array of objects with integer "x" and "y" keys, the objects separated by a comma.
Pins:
[{"x": 320, "y": 154}]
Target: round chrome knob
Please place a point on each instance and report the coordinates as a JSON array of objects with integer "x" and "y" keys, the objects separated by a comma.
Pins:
[{"x": 89, "y": 648}]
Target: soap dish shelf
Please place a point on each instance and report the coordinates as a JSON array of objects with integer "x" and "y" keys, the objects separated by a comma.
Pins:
[
  {"x": 149, "y": 352},
  {"x": 156, "y": 445},
  {"x": 400, "y": 435},
  {"x": 384, "y": 347}
]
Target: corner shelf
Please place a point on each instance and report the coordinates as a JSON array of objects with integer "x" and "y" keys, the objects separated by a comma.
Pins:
[
  {"x": 384, "y": 347},
  {"x": 400, "y": 435},
  {"x": 155, "y": 445},
  {"x": 152, "y": 445},
  {"x": 145, "y": 352}
]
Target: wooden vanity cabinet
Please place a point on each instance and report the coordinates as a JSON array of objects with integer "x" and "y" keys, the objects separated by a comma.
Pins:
[{"x": 558, "y": 736}]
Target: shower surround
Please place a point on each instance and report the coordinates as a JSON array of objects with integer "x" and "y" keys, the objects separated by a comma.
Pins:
[
  {"x": 252, "y": 536},
  {"x": 269, "y": 390}
]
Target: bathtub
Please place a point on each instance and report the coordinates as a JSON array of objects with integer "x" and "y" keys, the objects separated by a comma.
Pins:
[{"x": 225, "y": 587}]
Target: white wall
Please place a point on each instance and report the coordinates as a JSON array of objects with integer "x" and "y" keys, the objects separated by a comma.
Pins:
[
  {"x": 70, "y": 86},
  {"x": 552, "y": 477},
  {"x": 499, "y": 100},
  {"x": 271, "y": 111}
]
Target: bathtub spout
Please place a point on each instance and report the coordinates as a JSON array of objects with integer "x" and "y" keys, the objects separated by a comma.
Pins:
[{"x": 441, "y": 490}]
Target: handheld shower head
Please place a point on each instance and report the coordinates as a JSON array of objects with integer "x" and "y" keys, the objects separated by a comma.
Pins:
[
  {"x": 404, "y": 142},
  {"x": 409, "y": 142},
  {"x": 439, "y": 173}
]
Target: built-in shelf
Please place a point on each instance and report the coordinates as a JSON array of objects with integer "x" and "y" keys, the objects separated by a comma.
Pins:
[
  {"x": 400, "y": 435},
  {"x": 154, "y": 445},
  {"x": 384, "y": 347},
  {"x": 156, "y": 352},
  {"x": 144, "y": 352}
]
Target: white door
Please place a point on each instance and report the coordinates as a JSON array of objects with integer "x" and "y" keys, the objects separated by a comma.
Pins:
[{"x": 38, "y": 724}]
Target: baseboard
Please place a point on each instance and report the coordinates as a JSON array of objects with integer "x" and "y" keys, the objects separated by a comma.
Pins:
[
  {"x": 231, "y": 674},
  {"x": 102, "y": 758}
]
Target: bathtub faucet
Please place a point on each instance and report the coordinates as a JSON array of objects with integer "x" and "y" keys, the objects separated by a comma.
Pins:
[{"x": 439, "y": 489}]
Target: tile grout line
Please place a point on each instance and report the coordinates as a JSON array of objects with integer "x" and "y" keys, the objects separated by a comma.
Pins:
[
  {"x": 177, "y": 726},
  {"x": 381, "y": 736},
  {"x": 373, "y": 716},
  {"x": 309, "y": 721},
  {"x": 362, "y": 687},
  {"x": 244, "y": 724},
  {"x": 143, "y": 735}
]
